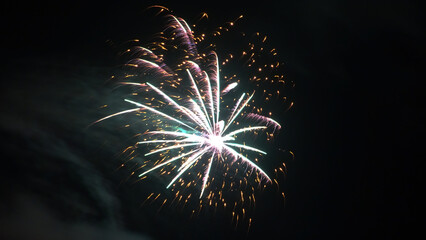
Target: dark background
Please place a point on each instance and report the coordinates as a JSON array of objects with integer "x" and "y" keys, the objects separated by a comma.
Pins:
[{"x": 357, "y": 126}]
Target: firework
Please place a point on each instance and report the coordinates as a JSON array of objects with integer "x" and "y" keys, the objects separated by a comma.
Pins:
[{"x": 193, "y": 117}]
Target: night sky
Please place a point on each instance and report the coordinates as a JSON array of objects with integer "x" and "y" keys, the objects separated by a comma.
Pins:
[{"x": 355, "y": 128}]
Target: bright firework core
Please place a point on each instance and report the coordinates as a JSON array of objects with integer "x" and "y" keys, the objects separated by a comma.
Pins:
[{"x": 216, "y": 140}]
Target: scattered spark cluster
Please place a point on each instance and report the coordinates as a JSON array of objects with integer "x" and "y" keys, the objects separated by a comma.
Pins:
[{"x": 196, "y": 125}]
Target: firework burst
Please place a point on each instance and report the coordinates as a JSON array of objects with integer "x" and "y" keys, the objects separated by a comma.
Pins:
[{"x": 194, "y": 118}]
